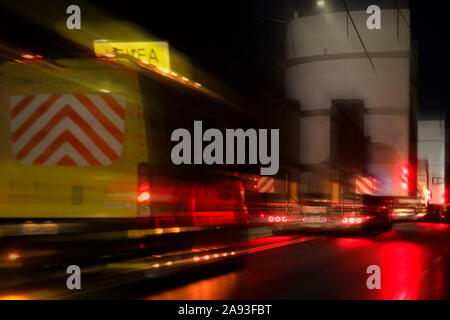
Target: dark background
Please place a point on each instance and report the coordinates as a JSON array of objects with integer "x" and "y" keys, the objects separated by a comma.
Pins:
[{"x": 242, "y": 42}]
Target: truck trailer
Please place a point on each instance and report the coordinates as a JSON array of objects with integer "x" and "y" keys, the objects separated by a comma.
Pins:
[
  {"x": 431, "y": 148},
  {"x": 85, "y": 162}
]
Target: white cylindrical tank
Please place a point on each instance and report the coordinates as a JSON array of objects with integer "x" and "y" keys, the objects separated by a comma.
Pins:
[{"x": 326, "y": 61}]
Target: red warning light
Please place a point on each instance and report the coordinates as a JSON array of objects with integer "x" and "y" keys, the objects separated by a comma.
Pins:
[{"x": 143, "y": 192}]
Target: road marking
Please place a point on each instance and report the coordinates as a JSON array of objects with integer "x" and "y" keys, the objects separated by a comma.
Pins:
[
  {"x": 277, "y": 245},
  {"x": 109, "y": 282}
]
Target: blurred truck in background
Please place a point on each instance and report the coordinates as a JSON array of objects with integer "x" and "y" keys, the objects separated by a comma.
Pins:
[
  {"x": 357, "y": 93},
  {"x": 431, "y": 150}
]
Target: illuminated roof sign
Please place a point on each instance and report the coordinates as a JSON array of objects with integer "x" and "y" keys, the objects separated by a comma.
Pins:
[{"x": 156, "y": 53}]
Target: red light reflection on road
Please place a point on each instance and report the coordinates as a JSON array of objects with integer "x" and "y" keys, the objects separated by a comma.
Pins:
[
  {"x": 401, "y": 270},
  {"x": 351, "y": 243}
]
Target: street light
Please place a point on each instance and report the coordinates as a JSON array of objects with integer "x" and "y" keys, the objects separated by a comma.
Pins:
[{"x": 320, "y": 3}]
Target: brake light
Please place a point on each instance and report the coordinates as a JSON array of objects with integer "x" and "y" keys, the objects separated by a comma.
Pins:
[
  {"x": 255, "y": 180},
  {"x": 443, "y": 196},
  {"x": 144, "y": 196},
  {"x": 143, "y": 190},
  {"x": 353, "y": 220},
  {"x": 277, "y": 219}
]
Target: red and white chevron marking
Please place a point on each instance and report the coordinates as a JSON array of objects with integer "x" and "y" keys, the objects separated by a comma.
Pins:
[
  {"x": 67, "y": 129},
  {"x": 266, "y": 184},
  {"x": 364, "y": 185}
]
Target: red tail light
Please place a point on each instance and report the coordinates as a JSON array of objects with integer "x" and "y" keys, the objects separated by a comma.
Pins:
[
  {"x": 353, "y": 220},
  {"x": 144, "y": 196},
  {"x": 443, "y": 196},
  {"x": 255, "y": 180},
  {"x": 277, "y": 219},
  {"x": 143, "y": 190}
]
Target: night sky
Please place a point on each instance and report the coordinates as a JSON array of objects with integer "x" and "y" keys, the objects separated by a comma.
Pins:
[
  {"x": 430, "y": 26},
  {"x": 242, "y": 42}
]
